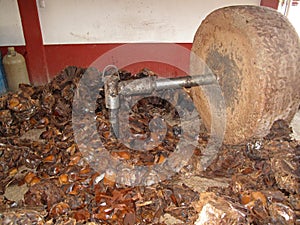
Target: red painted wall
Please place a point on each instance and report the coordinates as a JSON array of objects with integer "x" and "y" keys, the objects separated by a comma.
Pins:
[
  {"x": 45, "y": 61},
  {"x": 83, "y": 55},
  {"x": 270, "y": 3},
  {"x": 60, "y": 56}
]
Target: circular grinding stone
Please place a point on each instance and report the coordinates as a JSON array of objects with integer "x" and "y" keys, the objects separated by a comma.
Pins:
[{"x": 255, "y": 54}]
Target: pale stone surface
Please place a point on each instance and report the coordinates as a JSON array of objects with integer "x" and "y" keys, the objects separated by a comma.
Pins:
[
  {"x": 33, "y": 134},
  {"x": 201, "y": 184},
  {"x": 170, "y": 220},
  {"x": 15, "y": 192}
]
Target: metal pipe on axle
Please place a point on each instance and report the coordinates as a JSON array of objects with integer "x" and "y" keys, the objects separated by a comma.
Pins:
[
  {"x": 186, "y": 81},
  {"x": 114, "y": 88},
  {"x": 148, "y": 85}
]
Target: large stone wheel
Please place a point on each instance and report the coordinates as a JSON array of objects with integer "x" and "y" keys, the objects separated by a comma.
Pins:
[{"x": 255, "y": 54}]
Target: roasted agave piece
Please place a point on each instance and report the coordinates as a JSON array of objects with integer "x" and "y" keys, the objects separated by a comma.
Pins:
[
  {"x": 67, "y": 76},
  {"x": 3, "y": 101},
  {"x": 27, "y": 90},
  {"x": 218, "y": 210},
  {"x": 21, "y": 107},
  {"x": 286, "y": 172},
  {"x": 42, "y": 193},
  {"x": 6, "y": 117},
  {"x": 47, "y": 99},
  {"x": 22, "y": 216}
]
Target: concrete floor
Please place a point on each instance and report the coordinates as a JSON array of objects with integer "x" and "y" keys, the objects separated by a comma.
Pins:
[{"x": 295, "y": 124}]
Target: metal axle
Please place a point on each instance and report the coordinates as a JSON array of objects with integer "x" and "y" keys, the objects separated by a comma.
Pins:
[
  {"x": 114, "y": 88},
  {"x": 148, "y": 85}
]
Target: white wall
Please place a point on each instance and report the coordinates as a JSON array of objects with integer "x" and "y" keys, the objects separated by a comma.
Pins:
[
  {"x": 11, "y": 32},
  {"x": 294, "y": 17},
  {"x": 116, "y": 21}
]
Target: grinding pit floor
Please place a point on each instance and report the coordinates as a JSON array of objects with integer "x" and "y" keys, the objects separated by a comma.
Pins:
[{"x": 199, "y": 184}]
